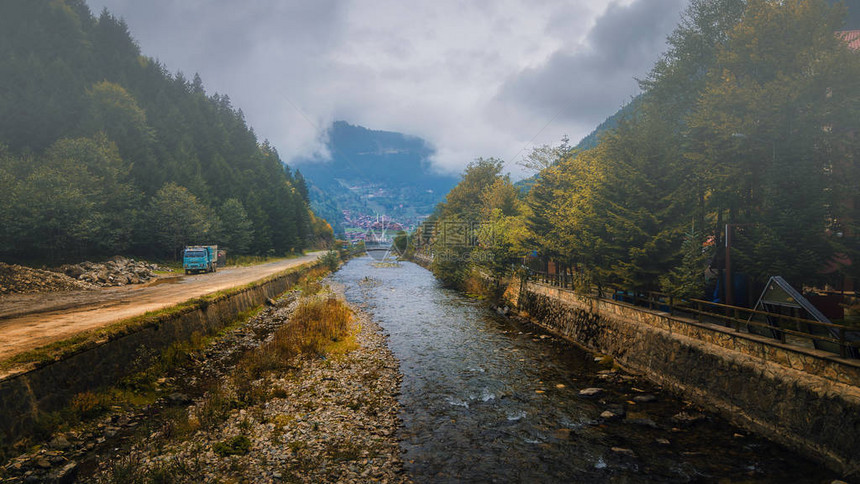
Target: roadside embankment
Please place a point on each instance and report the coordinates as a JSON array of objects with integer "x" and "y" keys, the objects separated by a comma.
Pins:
[
  {"x": 804, "y": 399},
  {"x": 87, "y": 363},
  {"x": 33, "y": 326},
  {"x": 304, "y": 390}
]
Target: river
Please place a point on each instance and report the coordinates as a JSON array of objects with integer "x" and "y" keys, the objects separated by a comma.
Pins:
[{"x": 485, "y": 398}]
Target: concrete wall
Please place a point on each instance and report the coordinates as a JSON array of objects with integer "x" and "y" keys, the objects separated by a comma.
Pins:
[
  {"x": 805, "y": 399},
  {"x": 49, "y": 388}
]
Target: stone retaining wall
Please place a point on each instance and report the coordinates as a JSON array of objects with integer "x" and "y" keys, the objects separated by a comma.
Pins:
[
  {"x": 804, "y": 399},
  {"x": 49, "y": 388}
]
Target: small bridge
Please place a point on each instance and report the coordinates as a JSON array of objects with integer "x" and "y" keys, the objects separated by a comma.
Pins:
[{"x": 380, "y": 248}]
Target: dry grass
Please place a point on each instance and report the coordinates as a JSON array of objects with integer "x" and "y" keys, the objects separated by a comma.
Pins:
[
  {"x": 310, "y": 283},
  {"x": 315, "y": 325},
  {"x": 318, "y": 326},
  {"x": 129, "y": 470}
]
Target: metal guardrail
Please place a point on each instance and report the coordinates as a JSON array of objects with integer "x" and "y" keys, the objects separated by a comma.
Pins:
[{"x": 729, "y": 316}]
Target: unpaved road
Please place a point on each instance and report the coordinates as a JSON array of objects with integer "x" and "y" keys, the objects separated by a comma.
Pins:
[{"x": 34, "y": 320}]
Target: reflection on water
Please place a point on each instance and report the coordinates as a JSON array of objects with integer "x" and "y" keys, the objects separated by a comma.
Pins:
[{"x": 491, "y": 400}]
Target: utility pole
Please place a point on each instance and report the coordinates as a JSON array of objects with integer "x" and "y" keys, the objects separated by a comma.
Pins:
[{"x": 730, "y": 297}]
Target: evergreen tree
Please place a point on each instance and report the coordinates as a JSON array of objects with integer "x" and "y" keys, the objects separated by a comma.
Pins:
[
  {"x": 237, "y": 231},
  {"x": 301, "y": 186},
  {"x": 779, "y": 102},
  {"x": 70, "y": 76},
  {"x": 177, "y": 219}
]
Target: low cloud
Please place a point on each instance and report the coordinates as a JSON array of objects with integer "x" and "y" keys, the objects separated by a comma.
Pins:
[
  {"x": 472, "y": 78},
  {"x": 582, "y": 86}
]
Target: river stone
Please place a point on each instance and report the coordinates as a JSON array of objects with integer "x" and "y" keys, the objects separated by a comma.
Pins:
[
  {"x": 645, "y": 422},
  {"x": 617, "y": 409},
  {"x": 179, "y": 399},
  {"x": 624, "y": 452},
  {"x": 60, "y": 442},
  {"x": 67, "y": 474},
  {"x": 609, "y": 415},
  {"x": 644, "y": 398},
  {"x": 687, "y": 419},
  {"x": 591, "y": 392}
]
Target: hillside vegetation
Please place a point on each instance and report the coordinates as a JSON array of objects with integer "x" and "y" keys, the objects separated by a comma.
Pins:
[
  {"x": 102, "y": 150},
  {"x": 748, "y": 125}
]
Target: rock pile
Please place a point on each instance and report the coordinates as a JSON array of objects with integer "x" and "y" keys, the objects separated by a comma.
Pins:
[
  {"x": 15, "y": 279},
  {"x": 118, "y": 271}
]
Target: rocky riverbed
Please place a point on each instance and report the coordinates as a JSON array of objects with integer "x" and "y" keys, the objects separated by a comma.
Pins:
[{"x": 331, "y": 418}]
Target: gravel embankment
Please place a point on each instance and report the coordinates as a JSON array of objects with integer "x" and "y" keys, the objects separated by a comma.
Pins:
[{"x": 325, "y": 420}]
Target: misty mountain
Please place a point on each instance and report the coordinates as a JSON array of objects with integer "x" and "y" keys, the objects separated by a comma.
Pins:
[{"x": 374, "y": 172}]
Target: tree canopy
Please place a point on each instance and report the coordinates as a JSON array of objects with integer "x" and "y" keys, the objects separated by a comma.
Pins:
[
  {"x": 748, "y": 125},
  {"x": 94, "y": 137}
]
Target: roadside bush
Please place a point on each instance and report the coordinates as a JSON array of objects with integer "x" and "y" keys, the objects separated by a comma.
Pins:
[
  {"x": 215, "y": 408},
  {"x": 331, "y": 259}
]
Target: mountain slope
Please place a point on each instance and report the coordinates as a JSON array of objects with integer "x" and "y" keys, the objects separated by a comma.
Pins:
[{"x": 374, "y": 172}]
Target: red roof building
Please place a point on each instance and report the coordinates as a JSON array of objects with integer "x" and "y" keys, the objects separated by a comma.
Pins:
[{"x": 851, "y": 37}]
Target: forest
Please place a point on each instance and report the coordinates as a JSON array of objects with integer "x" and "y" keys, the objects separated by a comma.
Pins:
[
  {"x": 747, "y": 127},
  {"x": 104, "y": 151}
]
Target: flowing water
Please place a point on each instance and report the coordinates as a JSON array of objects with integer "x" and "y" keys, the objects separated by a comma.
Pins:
[{"x": 488, "y": 399}]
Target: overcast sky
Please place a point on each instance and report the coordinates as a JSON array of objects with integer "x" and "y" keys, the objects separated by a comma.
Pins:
[{"x": 474, "y": 78}]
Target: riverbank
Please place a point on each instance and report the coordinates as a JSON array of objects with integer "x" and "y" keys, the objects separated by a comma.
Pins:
[
  {"x": 322, "y": 417},
  {"x": 487, "y": 398},
  {"x": 328, "y": 418},
  {"x": 805, "y": 400}
]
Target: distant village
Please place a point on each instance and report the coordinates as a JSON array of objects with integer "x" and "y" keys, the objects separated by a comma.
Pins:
[{"x": 357, "y": 226}]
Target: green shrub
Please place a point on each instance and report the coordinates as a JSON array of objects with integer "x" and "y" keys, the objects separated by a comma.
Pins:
[
  {"x": 238, "y": 445},
  {"x": 331, "y": 259}
]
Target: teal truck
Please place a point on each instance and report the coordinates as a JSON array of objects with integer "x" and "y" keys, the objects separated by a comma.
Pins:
[{"x": 200, "y": 258}]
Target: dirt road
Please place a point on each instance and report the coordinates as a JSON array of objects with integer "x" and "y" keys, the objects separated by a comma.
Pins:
[{"x": 34, "y": 320}]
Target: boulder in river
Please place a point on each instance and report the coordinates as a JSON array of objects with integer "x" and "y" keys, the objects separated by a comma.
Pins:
[
  {"x": 644, "y": 398},
  {"x": 685, "y": 419},
  {"x": 591, "y": 392}
]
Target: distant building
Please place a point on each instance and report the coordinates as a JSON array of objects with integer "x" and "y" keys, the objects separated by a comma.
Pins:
[{"x": 851, "y": 37}]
